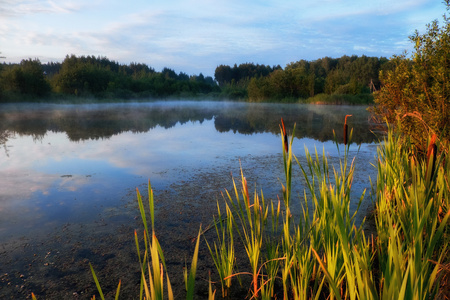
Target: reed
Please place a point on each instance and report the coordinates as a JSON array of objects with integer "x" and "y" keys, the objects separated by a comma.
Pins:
[
  {"x": 412, "y": 202},
  {"x": 152, "y": 263},
  {"x": 324, "y": 254},
  {"x": 190, "y": 279},
  {"x": 223, "y": 254}
]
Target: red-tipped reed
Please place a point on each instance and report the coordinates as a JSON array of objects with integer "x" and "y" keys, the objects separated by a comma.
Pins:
[
  {"x": 286, "y": 146},
  {"x": 431, "y": 154}
]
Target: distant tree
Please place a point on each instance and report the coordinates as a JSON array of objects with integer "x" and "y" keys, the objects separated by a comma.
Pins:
[
  {"x": 26, "y": 78},
  {"x": 169, "y": 73},
  {"x": 84, "y": 75},
  {"x": 136, "y": 70},
  {"x": 51, "y": 68},
  {"x": 183, "y": 76},
  {"x": 223, "y": 75}
]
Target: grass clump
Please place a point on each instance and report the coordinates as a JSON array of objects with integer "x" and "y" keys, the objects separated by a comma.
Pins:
[
  {"x": 322, "y": 253},
  {"x": 412, "y": 201}
]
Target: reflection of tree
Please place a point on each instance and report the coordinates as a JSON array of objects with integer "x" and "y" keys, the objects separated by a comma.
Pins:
[
  {"x": 4, "y": 137},
  {"x": 313, "y": 121},
  {"x": 104, "y": 121},
  {"x": 98, "y": 122}
]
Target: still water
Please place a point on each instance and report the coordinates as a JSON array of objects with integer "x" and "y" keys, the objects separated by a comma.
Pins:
[{"x": 69, "y": 173}]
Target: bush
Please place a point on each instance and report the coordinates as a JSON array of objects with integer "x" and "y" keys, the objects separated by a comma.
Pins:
[{"x": 415, "y": 92}]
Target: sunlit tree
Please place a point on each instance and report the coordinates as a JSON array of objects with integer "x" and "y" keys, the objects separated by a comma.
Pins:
[{"x": 415, "y": 91}]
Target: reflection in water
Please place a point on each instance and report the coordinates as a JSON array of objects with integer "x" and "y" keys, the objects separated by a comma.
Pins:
[
  {"x": 82, "y": 122},
  {"x": 4, "y": 136},
  {"x": 68, "y": 175}
]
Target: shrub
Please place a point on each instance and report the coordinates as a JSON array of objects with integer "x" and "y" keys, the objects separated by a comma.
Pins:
[{"x": 415, "y": 92}]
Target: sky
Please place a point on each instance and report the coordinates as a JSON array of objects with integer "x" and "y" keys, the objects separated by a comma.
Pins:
[{"x": 196, "y": 36}]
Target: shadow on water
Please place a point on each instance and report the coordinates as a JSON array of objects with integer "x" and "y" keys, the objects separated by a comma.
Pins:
[{"x": 69, "y": 174}]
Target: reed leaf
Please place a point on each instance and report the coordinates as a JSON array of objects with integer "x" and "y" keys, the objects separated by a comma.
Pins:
[
  {"x": 99, "y": 288},
  {"x": 190, "y": 282}
]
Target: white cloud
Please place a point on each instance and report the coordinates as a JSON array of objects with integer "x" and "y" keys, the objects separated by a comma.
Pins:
[
  {"x": 17, "y": 8},
  {"x": 199, "y": 35}
]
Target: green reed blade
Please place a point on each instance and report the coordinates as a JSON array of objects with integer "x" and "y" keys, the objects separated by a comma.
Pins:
[
  {"x": 141, "y": 209},
  {"x": 151, "y": 205},
  {"x": 191, "y": 279},
  {"x": 99, "y": 289}
]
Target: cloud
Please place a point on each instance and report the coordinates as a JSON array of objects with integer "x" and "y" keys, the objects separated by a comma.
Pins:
[
  {"x": 17, "y": 8},
  {"x": 196, "y": 36}
]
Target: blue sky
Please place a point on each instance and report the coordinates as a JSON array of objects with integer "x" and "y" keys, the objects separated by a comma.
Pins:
[{"x": 197, "y": 36}]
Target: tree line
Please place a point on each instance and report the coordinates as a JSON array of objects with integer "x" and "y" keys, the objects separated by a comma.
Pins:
[
  {"x": 99, "y": 77},
  {"x": 348, "y": 75},
  {"x": 86, "y": 76}
]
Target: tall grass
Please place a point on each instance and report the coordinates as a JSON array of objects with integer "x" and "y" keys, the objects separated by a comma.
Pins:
[
  {"x": 322, "y": 253},
  {"x": 412, "y": 199}
]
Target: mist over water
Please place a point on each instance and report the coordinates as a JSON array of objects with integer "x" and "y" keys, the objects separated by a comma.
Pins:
[{"x": 69, "y": 174}]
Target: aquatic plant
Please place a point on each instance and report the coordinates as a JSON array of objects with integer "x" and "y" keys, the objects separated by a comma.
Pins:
[
  {"x": 412, "y": 201},
  {"x": 325, "y": 254}
]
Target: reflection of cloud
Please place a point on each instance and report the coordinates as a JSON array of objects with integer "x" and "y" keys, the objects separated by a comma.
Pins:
[
  {"x": 19, "y": 186},
  {"x": 72, "y": 183},
  {"x": 24, "y": 172}
]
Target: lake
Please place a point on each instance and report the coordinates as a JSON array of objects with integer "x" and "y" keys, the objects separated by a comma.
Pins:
[{"x": 69, "y": 175}]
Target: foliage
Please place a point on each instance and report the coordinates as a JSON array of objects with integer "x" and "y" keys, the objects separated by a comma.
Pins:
[
  {"x": 107, "y": 79},
  {"x": 226, "y": 75},
  {"x": 26, "y": 78},
  {"x": 415, "y": 92},
  {"x": 99, "y": 77},
  {"x": 300, "y": 80}
]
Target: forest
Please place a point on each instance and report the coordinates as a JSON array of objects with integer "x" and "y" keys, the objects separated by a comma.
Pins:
[{"x": 346, "y": 78}]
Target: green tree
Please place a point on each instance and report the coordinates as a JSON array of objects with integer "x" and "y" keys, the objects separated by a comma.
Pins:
[
  {"x": 415, "y": 91},
  {"x": 26, "y": 78},
  {"x": 84, "y": 75}
]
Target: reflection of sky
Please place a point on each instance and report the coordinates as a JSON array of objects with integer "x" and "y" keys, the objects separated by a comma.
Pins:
[{"x": 55, "y": 180}]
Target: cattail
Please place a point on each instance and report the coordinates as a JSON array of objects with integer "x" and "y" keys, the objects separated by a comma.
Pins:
[
  {"x": 431, "y": 154},
  {"x": 346, "y": 129},
  {"x": 283, "y": 129}
]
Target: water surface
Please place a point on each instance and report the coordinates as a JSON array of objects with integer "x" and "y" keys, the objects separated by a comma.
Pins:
[{"x": 69, "y": 175}]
